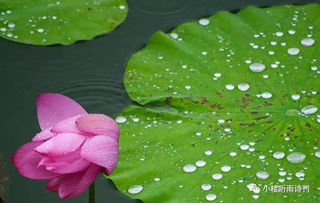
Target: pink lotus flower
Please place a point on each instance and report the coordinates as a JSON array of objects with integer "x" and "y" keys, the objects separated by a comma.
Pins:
[{"x": 72, "y": 148}]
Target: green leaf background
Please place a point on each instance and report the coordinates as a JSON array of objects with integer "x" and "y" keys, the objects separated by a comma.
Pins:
[
  {"x": 186, "y": 117},
  {"x": 47, "y": 22}
]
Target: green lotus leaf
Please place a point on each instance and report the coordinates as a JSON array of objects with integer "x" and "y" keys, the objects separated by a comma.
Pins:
[
  {"x": 228, "y": 110},
  {"x": 47, "y": 22}
]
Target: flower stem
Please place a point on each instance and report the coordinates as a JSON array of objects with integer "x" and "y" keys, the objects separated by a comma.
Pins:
[{"x": 92, "y": 195}]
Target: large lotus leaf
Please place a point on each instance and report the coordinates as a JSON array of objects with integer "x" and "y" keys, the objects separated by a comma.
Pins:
[
  {"x": 46, "y": 22},
  {"x": 228, "y": 110}
]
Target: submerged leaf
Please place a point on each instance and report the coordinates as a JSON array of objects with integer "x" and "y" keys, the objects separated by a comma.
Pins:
[
  {"x": 4, "y": 178},
  {"x": 46, "y": 22},
  {"x": 240, "y": 119}
]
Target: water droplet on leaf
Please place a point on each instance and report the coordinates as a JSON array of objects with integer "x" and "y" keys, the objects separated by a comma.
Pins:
[
  {"x": 189, "y": 168},
  {"x": 296, "y": 157},
  {"x": 135, "y": 189}
]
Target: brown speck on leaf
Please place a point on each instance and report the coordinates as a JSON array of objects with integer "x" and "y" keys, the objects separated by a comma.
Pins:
[
  {"x": 267, "y": 104},
  {"x": 245, "y": 101},
  {"x": 257, "y": 107},
  {"x": 247, "y": 124},
  {"x": 203, "y": 100},
  {"x": 261, "y": 117},
  {"x": 220, "y": 94},
  {"x": 216, "y": 105},
  {"x": 168, "y": 100}
]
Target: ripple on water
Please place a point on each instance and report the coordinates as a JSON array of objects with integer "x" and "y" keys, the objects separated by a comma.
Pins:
[
  {"x": 164, "y": 7},
  {"x": 101, "y": 96}
]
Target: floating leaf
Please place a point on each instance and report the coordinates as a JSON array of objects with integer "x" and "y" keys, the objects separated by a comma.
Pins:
[
  {"x": 46, "y": 22},
  {"x": 229, "y": 110}
]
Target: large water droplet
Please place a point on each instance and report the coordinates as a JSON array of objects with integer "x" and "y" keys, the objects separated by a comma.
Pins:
[
  {"x": 121, "y": 119},
  {"x": 282, "y": 173},
  {"x": 279, "y": 34},
  {"x": 156, "y": 179},
  {"x": 243, "y": 87},
  {"x": 317, "y": 154},
  {"x": 11, "y": 25},
  {"x": 225, "y": 168},
  {"x": 233, "y": 153},
  {"x": 262, "y": 175},
  {"x": 257, "y": 67},
  {"x": 217, "y": 176},
  {"x": 262, "y": 157},
  {"x": 295, "y": 97},
  {"x": 266, "y": 95},
  {"x": 307, "y": 42},
  {"x": 278, "y": 155},
  {"x": 211, "y": 197},
  {"x": 244, "y": 147},
  {"x": 201, "y": 163},
  {"x": 296, "y": 157},
  {"x": 206, "y": 187},
  {"x": 135, "y": 189},
  {"x": 293, "y": 51},
  {"x": 229, "y": 87},
  {"x": 189, "y": 168},
  {"x": 40, "y": 30},
  {"x": 204, "y": 22},
  {"x": 291, "y": 32},
  {"x": 309, "y": 109}
]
